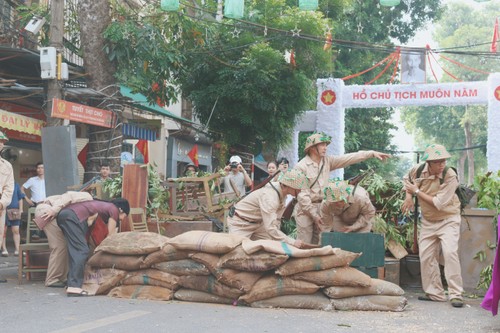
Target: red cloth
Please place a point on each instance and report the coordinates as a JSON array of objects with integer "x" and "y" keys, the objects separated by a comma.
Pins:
[
  {"x": 494, "y": 41},
  {"x": 98, "y": 231},
  {"x": 82, "y": 155},
  {"x": 142, "y": 146},
  {"x": 193, "y": 155}
]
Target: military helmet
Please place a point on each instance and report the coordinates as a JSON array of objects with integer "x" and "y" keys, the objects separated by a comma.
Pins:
[
  {"x": 435, "y": 153},
  {"x": 294, "y": 178},
  {"x": 316, "y": 138},
  {"x": 337, "y": 190},
  {"x": 3, "y": 136}
]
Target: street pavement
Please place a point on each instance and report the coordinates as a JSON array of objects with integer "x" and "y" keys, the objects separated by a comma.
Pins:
[{"x": 31, "y": 307}]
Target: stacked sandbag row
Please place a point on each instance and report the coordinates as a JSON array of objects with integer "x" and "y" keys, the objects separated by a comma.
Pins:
[{"x": 202, "y": 266}]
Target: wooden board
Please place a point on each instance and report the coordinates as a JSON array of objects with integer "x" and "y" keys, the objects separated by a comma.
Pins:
[{"x": 135, "y": 188}]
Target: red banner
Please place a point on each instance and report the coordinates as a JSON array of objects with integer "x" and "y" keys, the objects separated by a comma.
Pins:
[{"x": 82, "y": 113}]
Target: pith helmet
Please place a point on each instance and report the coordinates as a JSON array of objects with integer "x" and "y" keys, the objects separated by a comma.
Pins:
[
  {"x": 435, "y": 153},
  {"x": 294, "y": 178},
  {"x": 316, "y": 138},
  {"x": 3, "y": 136},
  {"x": 337, "y": 190}
]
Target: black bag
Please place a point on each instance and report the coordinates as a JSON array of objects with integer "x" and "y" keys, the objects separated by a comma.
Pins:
[{"x": 463, "y": 192}]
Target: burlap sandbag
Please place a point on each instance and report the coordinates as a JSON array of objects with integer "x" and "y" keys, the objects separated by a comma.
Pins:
[
  {"x": 339, "y": 276},
  {"x": 298, "y": 265},
  {"x": 206, "y": 241},
  {"x": 371, "y": 303},
  {"x": 167, "y": 253},
  {"x": 108, "y": 260},
  {"x": 152, "y": 277},
  {"x": 316, "y": 301},
  {"x": 273, "y": 285},
  {"x": 190, "y": 295},
  {"x": 132, "y": 243},
  {"x": 240, "y": 280},
  {"x": 257, "y": 262},
  {"x": 210, "y": 285},
  {"x": 377, "y": 287},
  {"x": 272, "y": 246},
  {"x": 142, "y": 292},
  {"x": 98, "y": 281},
  {"x": 182, "y": 267}
]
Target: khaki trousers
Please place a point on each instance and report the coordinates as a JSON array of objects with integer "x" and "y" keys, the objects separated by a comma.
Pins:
[
  {"x": 58, "y": 260},
  {"x": 254, "y": 231},
  {"x": 434, "y": 237},
  {"x": 307, "y": 231}
]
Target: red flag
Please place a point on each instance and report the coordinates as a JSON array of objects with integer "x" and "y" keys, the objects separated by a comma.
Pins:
[
  {"x": 292, "y": 59},
  {"x": 193, "y": 155},
  {"x": 82, "y": 155},
  {"x": 142, "y": 146},
  {"x": 494, "y": 41}
]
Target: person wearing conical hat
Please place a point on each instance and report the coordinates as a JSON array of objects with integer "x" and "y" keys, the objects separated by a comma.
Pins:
[
  {"x": 317, "y": 167},
  {"x": 6, "y": 187},
  {"x": 440, "y": 231},
  {"x": 258, "y": 215},
  {"x": 346, "y": 208}
]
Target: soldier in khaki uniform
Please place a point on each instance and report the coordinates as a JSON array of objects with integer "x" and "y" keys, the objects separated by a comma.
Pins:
[
  {"x": 317, "y": 167},
  {"x": 346, "y": 208},
  {"x": 440, "y": 209},
  {"x": 258, "y": 215},
  {"x": 6, "y": 188}
]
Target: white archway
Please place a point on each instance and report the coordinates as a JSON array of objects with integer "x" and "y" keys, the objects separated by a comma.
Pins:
[{"x": 334, "y": 97}]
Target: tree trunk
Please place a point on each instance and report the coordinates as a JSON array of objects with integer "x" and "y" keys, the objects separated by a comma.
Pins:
[
  {"x": 104, "y": 144},
  {"x": 470, "y": 152},
  {"x": 461, "y": 166}
]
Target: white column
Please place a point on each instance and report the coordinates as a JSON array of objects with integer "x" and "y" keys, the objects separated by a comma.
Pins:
[{"x": 493, "y": 144}]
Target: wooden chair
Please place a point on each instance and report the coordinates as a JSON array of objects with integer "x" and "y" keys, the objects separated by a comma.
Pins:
[
  {"x": 27, "y": 249},
  {"x": 137, "y": 220}
]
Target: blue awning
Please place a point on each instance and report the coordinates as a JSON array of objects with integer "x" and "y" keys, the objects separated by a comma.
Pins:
[{"x": 139, "y": 132}]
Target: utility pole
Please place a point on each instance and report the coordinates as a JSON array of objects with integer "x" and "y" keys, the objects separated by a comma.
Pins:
[{"x": 54, "y": 90}]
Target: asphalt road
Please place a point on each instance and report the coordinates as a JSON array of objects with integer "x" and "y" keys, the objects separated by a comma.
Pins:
[{"x": 31, "y": 307}]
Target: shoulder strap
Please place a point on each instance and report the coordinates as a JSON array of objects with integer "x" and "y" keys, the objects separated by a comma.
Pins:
[
  {"x": 420, "y": 169},
  {"x": 319, "y": 173},
  {"x": 278, "y": 192}
]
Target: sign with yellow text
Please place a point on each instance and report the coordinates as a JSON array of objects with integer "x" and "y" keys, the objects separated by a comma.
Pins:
[
  {"x": 82, "y": 113},
  {"x": 17, "y": 122}
]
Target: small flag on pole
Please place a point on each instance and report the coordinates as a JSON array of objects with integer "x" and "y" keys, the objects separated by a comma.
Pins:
[
  {"x": 494, "y": 41},
  {"x": 193, "y": 155}
]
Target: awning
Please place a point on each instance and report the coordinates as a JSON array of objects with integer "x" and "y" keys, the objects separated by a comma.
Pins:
[
  {"x": 17, "y": 122},
  {"x": 138, "y": 132},
  {"x": 140, "y": 101}
]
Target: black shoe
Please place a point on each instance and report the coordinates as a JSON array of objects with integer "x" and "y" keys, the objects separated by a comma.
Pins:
[
  {"x": 57, "y": 284},
  {"x": 424, "y": 298},
  {"x": 457, "y": 302},
  {"x": 3, "y": 280}
]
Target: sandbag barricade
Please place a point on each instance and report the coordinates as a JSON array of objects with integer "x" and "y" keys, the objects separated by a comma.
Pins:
[{"x": 209, "y": 267}]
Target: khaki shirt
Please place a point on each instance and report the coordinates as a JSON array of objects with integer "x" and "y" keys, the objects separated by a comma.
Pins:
[
  {"x": 265, "y": 206},
  {"x": 445, "y": 200},
  {"x": 306, "y": 198},
  {"x": 358, "y": 212},
  {"x": 6, "y": 183}
]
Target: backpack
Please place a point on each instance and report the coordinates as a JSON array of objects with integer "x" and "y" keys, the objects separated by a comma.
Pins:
[{"x": 463, "y": 192}]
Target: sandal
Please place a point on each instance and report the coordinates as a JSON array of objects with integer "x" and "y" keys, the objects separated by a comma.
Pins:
[
  {"x": 5, "y": 253},
  {"x": 70, "y": 292},
  {"x": 457, "y": 302}
]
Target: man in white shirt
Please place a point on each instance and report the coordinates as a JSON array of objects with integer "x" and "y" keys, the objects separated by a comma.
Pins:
[{"x": 36, "y": 185}]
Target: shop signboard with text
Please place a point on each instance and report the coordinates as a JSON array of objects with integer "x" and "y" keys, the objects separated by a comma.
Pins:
[{"x": 82, "y": 113}]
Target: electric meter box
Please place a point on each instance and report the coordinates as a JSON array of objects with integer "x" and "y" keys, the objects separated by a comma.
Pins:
[{"x": 48, "y": 62}]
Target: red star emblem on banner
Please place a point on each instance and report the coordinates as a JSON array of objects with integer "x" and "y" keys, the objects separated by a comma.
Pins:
[
  {"x": 328, "y": 97},
  {"x": 497, "y": 93}
]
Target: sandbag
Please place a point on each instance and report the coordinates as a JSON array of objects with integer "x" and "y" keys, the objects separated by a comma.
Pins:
[
  {"x": 371, "y": 303},
  {"x": 182, "y": 267},
  {"x": 240, "y": 280},
  {"x": 142, "y": 292},
  {"x": 210, "y": 285},
  {"x": 257, "y": 262},
  {"x": 98, "y": 281},
  {"x": 167, "y": 253},
  {"x": 190, "y": 295},
  {"x": 297, "y": 265},
  {"x": 152, "y": 277},
  {"x": 107, "y": 260},
  {"x": 277, "y": 247},
  {"x": 377, "y": 287},
  {"x": 316, "y": 301},
  {"x": 132, "y": 243},
  {"x": 339, "y": 276},
  {"x": 272, "y": 285},
  {"x": 206, "y": 241}
]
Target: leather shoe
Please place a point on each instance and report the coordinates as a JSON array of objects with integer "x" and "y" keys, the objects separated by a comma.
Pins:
[
  {"x": 57, "y": 284},
  {"x": 457, "y": 302},
  {"x": 424, "y": 298},
  {"x": 3, "y": 280}
]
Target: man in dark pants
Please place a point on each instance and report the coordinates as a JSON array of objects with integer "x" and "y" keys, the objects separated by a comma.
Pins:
[{"x": 74, "y": 221}]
